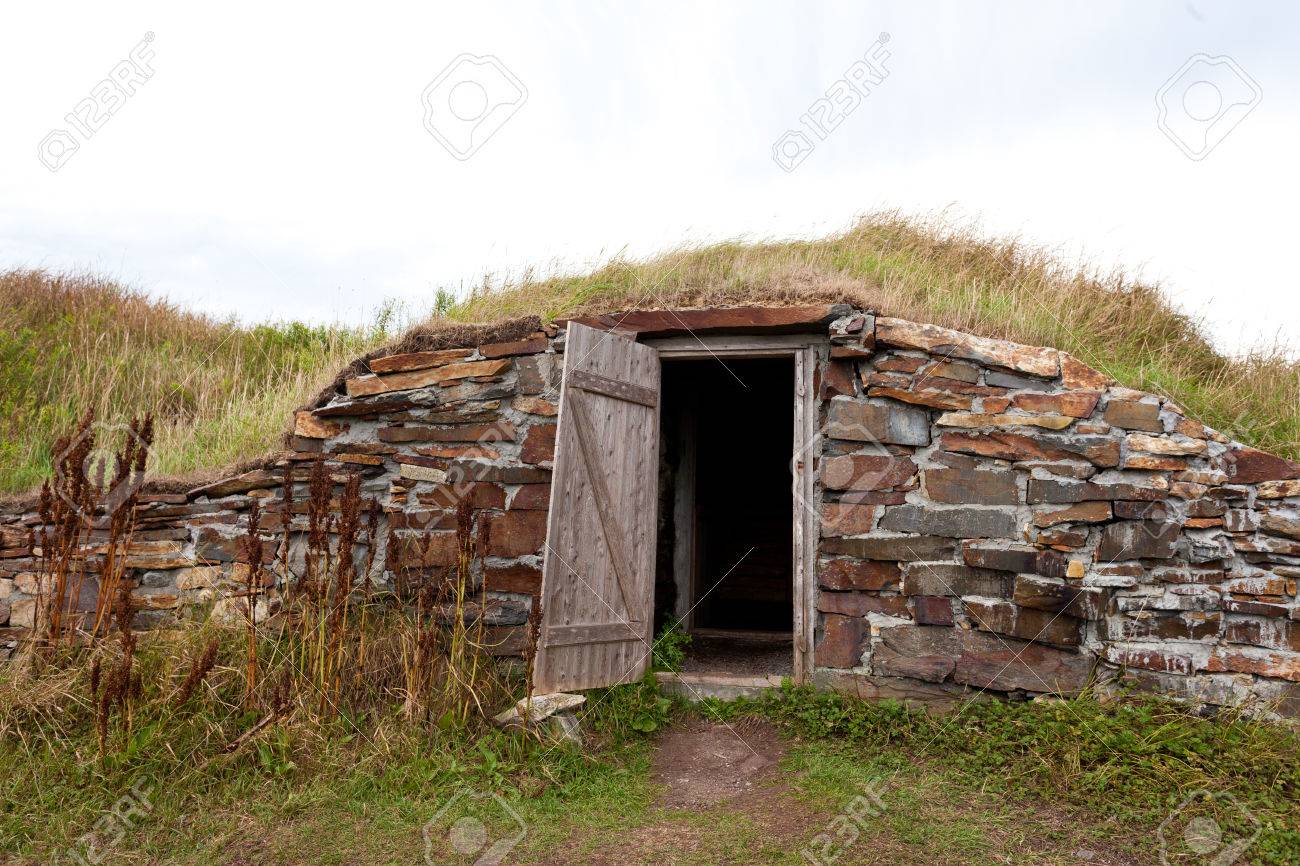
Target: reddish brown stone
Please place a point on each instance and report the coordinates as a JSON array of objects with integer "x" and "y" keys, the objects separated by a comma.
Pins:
[
  {"x": 1187, "y": 625},
  {"x": 1251, "y": 466},
  {"x": 841, "y": 643},
  {"x": 1154, "y": 462},
  {"x": 1076, "y": 374},
  {"x": 1083, "y": 512},
  {"x": 501, "y": 431},
  {"x": 932, "y": 399},
  {"x": 426, "y": 550},
  {"x": 900, "y": 548},
  {"x": 1014, "y": 558},
  {"x": 539, "y": 444},
  {"x": 1254, "y": 608},
  {"x": 534, "y": 345},
  {"x": 516, "y": 533},
  {"x": 739, "y": 320},
  {"x": 1018, "y": 446},
  {"x": 839, "y": 379},
  {"x": 531, "y": 497},
  {"x": 1138, "y": 540},
  {"x": 899, "y": 364},
  {"x": 950, "y": 370},
  {"x": 451, "y": 451},
  {"x": 1272, "y": 635},
  {"x": 358, "y": 408},
  {"x": 536, "y": 406},
  {"x": 257, "y": 479},
  {"x": 1045, "y": 491},
  {"x": 1075, "y": 404},
  {"x": 513, "y": 578},
  {"x": 368, "y": 385},
  {"x": 416, "y": 360},
  {"x": 932, "y": 610},
  {"x": 951, "y": 579},
  {"x": 842, "y": 574},
  {"x": 1270, "y": 664},
  {"x": 866, "y": 472},
  {"x": 422, "y": 519},
  {"x": 861, "y": 604},
  {"x": 476, "y": 470},
  {"x": 308, "y": 426},
  {"x": 1132, "y": 415},
  {"x": 846, "y": 518},
  {"x": 480, "y": 495},
  {"x": 1006, "y": 618}
]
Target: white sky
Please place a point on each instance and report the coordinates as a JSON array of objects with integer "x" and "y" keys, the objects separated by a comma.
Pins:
[{"x": 277, "y": 165}]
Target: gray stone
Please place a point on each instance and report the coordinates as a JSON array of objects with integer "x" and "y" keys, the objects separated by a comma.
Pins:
[
  {"x": 1016, "y": 558},
  {"x": 539, "y": 708},
  {"x": 1007, "y": 618},
  {"x": 1004, "y": 664},
  {"x": 878, "y": 421},
  {"x": 951, "y": 522},
  {"x": 899, "y": 548},
  {"x": 1133, "y": 539},
  {"x": 999, "y": 379},
  {"x": 1055, "y": 596},
  {"x": 916, "y": 641},
  {"x": 158, "y": 579},
  {"x": 963, "y": 486},
  {"x": 947, "y": 578},
  {"x": 1052, "y": 491},
  {"x": 928, "y": 668}
]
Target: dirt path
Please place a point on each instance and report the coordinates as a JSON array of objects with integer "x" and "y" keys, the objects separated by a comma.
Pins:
[{"x": 726, "y": 800}]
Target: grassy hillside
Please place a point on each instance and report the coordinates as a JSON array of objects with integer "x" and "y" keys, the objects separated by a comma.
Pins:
[
  {"x": 222, "y": 393},
  {"x": 933, "y": 272}
]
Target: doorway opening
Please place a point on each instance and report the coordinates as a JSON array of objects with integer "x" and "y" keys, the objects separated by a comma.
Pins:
[{"x": 726, "y": 538}]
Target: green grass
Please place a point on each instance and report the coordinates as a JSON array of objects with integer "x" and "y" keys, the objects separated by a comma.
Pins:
[
  {"x": 991, "y": 782},
  {"x": 222, "y": 393}
]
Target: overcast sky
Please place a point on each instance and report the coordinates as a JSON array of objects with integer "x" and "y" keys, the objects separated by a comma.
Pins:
[{"x": 271, "y": 161}]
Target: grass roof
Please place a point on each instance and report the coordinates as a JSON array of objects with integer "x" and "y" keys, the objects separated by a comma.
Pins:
[{"x": 223, "y": 392}]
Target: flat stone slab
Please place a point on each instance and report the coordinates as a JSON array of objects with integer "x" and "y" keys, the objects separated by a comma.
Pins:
[
  {"x": 541, "y": 707},
  {"x": 724, "y": 687}
]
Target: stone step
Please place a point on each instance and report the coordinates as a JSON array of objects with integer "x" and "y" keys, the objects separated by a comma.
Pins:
[{"x": 724, "y": 687}]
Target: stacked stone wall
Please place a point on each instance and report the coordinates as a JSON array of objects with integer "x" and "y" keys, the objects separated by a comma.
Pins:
[{"x": 992, "y": 517}]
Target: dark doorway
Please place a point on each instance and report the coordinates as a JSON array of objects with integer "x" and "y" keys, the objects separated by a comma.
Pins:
[{"x": 725, "y": 558}]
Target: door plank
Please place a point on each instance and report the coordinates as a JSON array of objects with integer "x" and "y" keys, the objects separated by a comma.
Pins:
[{"x": 598, "y": 571}]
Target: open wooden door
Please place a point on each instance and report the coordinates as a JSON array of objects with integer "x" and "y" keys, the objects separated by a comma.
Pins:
[{"x": 598, "y": 575}]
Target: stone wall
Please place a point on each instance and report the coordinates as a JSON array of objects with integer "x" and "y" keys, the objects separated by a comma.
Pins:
[
  {"x": 425, "y": 431},
  {"x": 1002, "y": 517},
  {"x": 992, "y": 516}
]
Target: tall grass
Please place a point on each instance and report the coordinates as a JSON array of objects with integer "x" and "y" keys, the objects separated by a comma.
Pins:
[
  {"x": 932, "y": 270},
  {"x": 219, "y": 392}
]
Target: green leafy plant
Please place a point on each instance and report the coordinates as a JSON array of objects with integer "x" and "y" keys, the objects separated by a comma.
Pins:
[{"x": 670, "y": 647}]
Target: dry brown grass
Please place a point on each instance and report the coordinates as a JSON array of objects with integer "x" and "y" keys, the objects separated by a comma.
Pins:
[
  {"x": 222, "y": 393},
  {"x": 932, "y": 271},
  {"x": 219, "y": 392}
]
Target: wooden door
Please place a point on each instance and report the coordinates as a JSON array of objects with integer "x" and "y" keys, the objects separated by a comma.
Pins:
[{"x": 598, "y": 573}]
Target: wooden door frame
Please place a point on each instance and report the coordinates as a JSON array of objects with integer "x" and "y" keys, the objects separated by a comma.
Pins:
[{"x": 803, "y": 348}]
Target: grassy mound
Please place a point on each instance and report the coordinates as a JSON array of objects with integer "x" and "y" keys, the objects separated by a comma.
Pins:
[
  {"x": 952, "y": 276},
  {"x": 219, "y": 392},
  {"x": 222, "y": 393}
]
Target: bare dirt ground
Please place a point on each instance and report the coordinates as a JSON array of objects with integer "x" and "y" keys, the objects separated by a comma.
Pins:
[{"x": 726, "y": 799}]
